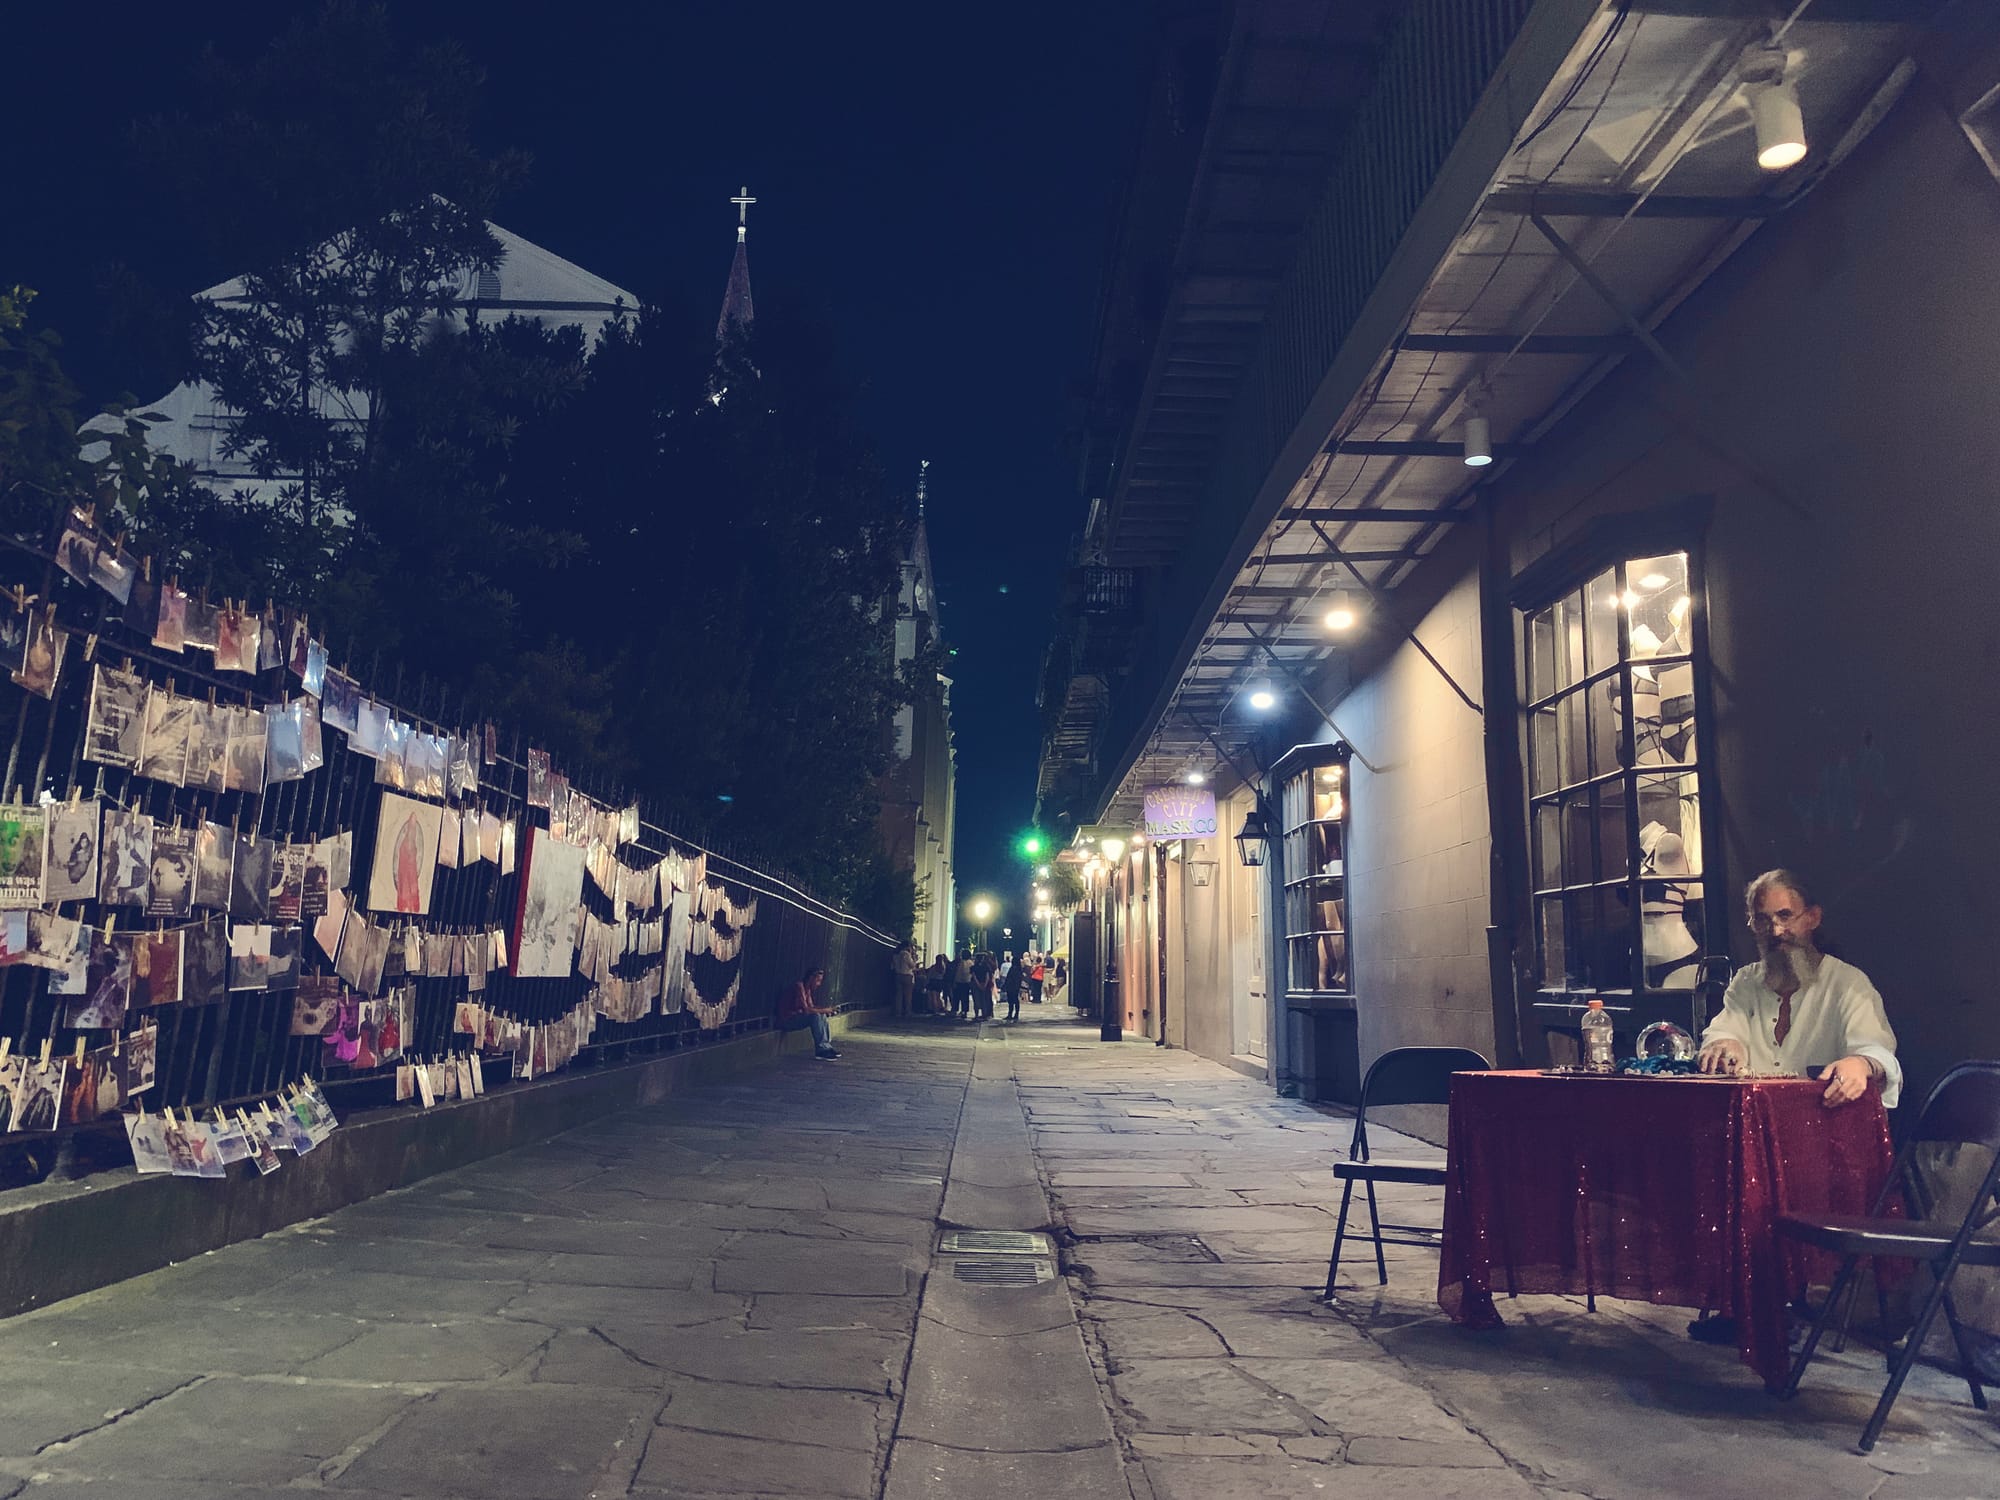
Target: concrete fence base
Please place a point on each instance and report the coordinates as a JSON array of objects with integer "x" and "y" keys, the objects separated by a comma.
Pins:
[{"x": 58, "y": 1239}]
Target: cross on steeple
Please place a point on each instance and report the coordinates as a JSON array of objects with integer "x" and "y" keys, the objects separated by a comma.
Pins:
[{"x": 742, "y": 200}]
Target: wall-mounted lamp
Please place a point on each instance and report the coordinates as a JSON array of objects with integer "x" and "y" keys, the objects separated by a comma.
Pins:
[{"x": 1254, "y": 837}]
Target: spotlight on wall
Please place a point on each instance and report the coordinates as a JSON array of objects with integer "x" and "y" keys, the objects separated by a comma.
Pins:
[
  {"x": 1478, "y": 439},
  {"x": 1780, "y": 124}
]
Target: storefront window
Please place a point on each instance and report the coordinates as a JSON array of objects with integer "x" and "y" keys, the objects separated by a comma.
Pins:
[
  {"x": 1614, "y": 782},
  {"x": 1313, "y": 811}
]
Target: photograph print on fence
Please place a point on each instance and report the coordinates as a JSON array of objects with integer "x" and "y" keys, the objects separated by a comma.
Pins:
[
  {"x": 405, "y": 865},
  {"x": 551, "y": 894}
]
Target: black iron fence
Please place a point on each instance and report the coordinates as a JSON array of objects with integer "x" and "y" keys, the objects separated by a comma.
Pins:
[{"x": 244, "y": 1045}]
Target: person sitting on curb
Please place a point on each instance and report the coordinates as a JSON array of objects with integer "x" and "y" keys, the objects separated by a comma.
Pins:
[{"x": 801, "y": 1008}]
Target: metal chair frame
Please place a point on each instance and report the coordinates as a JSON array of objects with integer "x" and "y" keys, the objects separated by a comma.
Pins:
[
  {"x": 1402, "y": 1075},
  {"x": 1963, "y": 1109}
]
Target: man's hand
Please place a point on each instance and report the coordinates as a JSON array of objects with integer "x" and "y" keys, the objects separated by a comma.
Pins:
[
  {"x": 1847, "y": 1080},
  {"x": 1724, "y": 1055}
]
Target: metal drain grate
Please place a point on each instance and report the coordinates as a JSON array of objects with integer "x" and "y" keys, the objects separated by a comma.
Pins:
[
  {"x": 993, "y": 1242},
  {"x": 1010, "y": 1271}
]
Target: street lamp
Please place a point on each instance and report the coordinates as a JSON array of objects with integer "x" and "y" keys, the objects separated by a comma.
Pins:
[
  {"x": 1253, "y": 838},
  {"x": 981, "y": 911}
]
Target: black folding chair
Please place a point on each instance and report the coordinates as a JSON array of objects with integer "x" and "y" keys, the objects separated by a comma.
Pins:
[
  {"x": 1403, "y": 1075},
  {"x": 1964, "y": 1109}
]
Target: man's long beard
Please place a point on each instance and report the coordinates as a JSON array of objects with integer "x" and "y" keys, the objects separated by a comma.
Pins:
[{"x": 1786, "y": 966}]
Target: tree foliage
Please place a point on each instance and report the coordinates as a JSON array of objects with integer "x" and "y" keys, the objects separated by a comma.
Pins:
[{"x": 667, "y": 562}]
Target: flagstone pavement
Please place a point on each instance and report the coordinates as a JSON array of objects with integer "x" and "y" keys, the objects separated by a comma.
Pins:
[{"x": 736, "y": 1294}]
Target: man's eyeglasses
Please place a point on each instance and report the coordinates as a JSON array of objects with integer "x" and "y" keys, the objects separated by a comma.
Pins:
[{"x": 1762, "y": 923}]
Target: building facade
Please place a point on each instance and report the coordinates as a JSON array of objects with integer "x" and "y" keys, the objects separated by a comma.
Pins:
[
  {"x": 1702, "y": 288},
  {"x": 528, "y": 282},
  {"x": 919, "y": 790}
]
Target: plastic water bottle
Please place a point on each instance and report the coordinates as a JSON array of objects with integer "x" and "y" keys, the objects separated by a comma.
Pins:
[{"x": 1597, "y": 1045}]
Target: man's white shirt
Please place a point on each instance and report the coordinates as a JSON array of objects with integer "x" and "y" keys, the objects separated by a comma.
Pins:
[{"x": 1838, "y": 1015}]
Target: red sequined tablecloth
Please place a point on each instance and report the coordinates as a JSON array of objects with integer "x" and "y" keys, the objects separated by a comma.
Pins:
[{"x": 1663, "y": 1190}]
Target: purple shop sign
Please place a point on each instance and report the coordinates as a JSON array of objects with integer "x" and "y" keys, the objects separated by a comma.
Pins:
[{"x": 1179, "y": 812}]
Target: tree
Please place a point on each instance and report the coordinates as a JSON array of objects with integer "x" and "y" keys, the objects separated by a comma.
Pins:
[
  {"x": 735, "y": 553},
  {"x": 48, "y": 462},
  {"x": 340, "y": 169}
]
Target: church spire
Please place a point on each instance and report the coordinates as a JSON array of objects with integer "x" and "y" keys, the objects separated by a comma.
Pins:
[
  {"x": 737, "y": 313},
  {"x": 923, "y": 485}
]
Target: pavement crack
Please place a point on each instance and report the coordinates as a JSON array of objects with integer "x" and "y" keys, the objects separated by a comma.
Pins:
[
  {"x": 112, "y": 1419},
  {"x": 637, "y": 1359},
  {"x": 332, "y": 1468}
]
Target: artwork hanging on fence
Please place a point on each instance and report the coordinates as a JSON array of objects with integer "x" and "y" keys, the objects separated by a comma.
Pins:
[
  {"x": 170, "y": 623},
  {"x": 71, "y": 860},
  {"x": 168, "y": 737},
  {"x": 208, "y": 748},
  {"x": 405, "y": 867},
  {"x": 51, "y": 940},
  {"x": 170, "y": 889},
  {"x": 244, "y": 769},
  {"x": 127, "y": 863},
  {"x": 673, "y": 979},
  {"x": 24, "y": 833},
  {"x": 78, "y": 547},
  {"x": 38, "y": 1094},
  {"x": 214, "y": 866},
  {"x": 250, "y": 879},
  {"x": 287, "y": 948},
  {"x": 288, "y": 881},
  {"x": 106, "y": 993},
  {"x": 42, "y": 657},
  {"x": 139, "y": 1054},
  {"x": 156, "y": 969},
  {"x": 205, "y": 962},
  {"x": 116, "y": 720},
  {"x": 249, "y": 957},
  {"x": 340, "y": 700},
  {"x": 316, "y": 1005},
  {"x": 285, "y": 753},
  {"x": 551, "y": 896}
]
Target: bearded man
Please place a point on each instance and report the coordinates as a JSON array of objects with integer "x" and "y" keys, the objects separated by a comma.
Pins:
[{"x": 1798, "y": 1008}]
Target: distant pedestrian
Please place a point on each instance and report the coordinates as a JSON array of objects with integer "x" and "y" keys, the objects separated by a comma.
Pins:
[
  {"x": 903, "y": 964},
  {"x": 961, "y": 984},
  {"x": 1011, "y": 987},
  {"x": 802, "y": 1008},
  {"x": 937, "y": 985},
  {"x": 983, "y": 973},
  {"x": 1061, "y": 976},
  {"x": 1037, "y": 977}
]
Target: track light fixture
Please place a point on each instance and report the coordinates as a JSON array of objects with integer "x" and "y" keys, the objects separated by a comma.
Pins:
[
  {"x": 1775, "y": 115},
  {"x": 1478, "y": 439}
]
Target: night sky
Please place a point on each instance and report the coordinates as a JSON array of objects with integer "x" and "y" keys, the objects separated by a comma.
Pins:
[{"x": 940, "y": 179}]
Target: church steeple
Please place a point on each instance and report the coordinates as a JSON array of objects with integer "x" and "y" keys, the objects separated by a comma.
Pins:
[{"x": 737, "y": 313}]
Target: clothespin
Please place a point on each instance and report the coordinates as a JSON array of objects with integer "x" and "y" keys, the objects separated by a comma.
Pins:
[
  {"x": 90, "y": 646},
  {"x": 6, "y": 1046},
  {"x": 48, "y": 1042},
  {"x": 79, "y": 1052},
  {"x": 146, "y": 567}
]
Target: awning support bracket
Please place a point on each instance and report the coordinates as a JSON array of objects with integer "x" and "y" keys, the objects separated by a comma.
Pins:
[{"x": 1382, "y": 607}]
